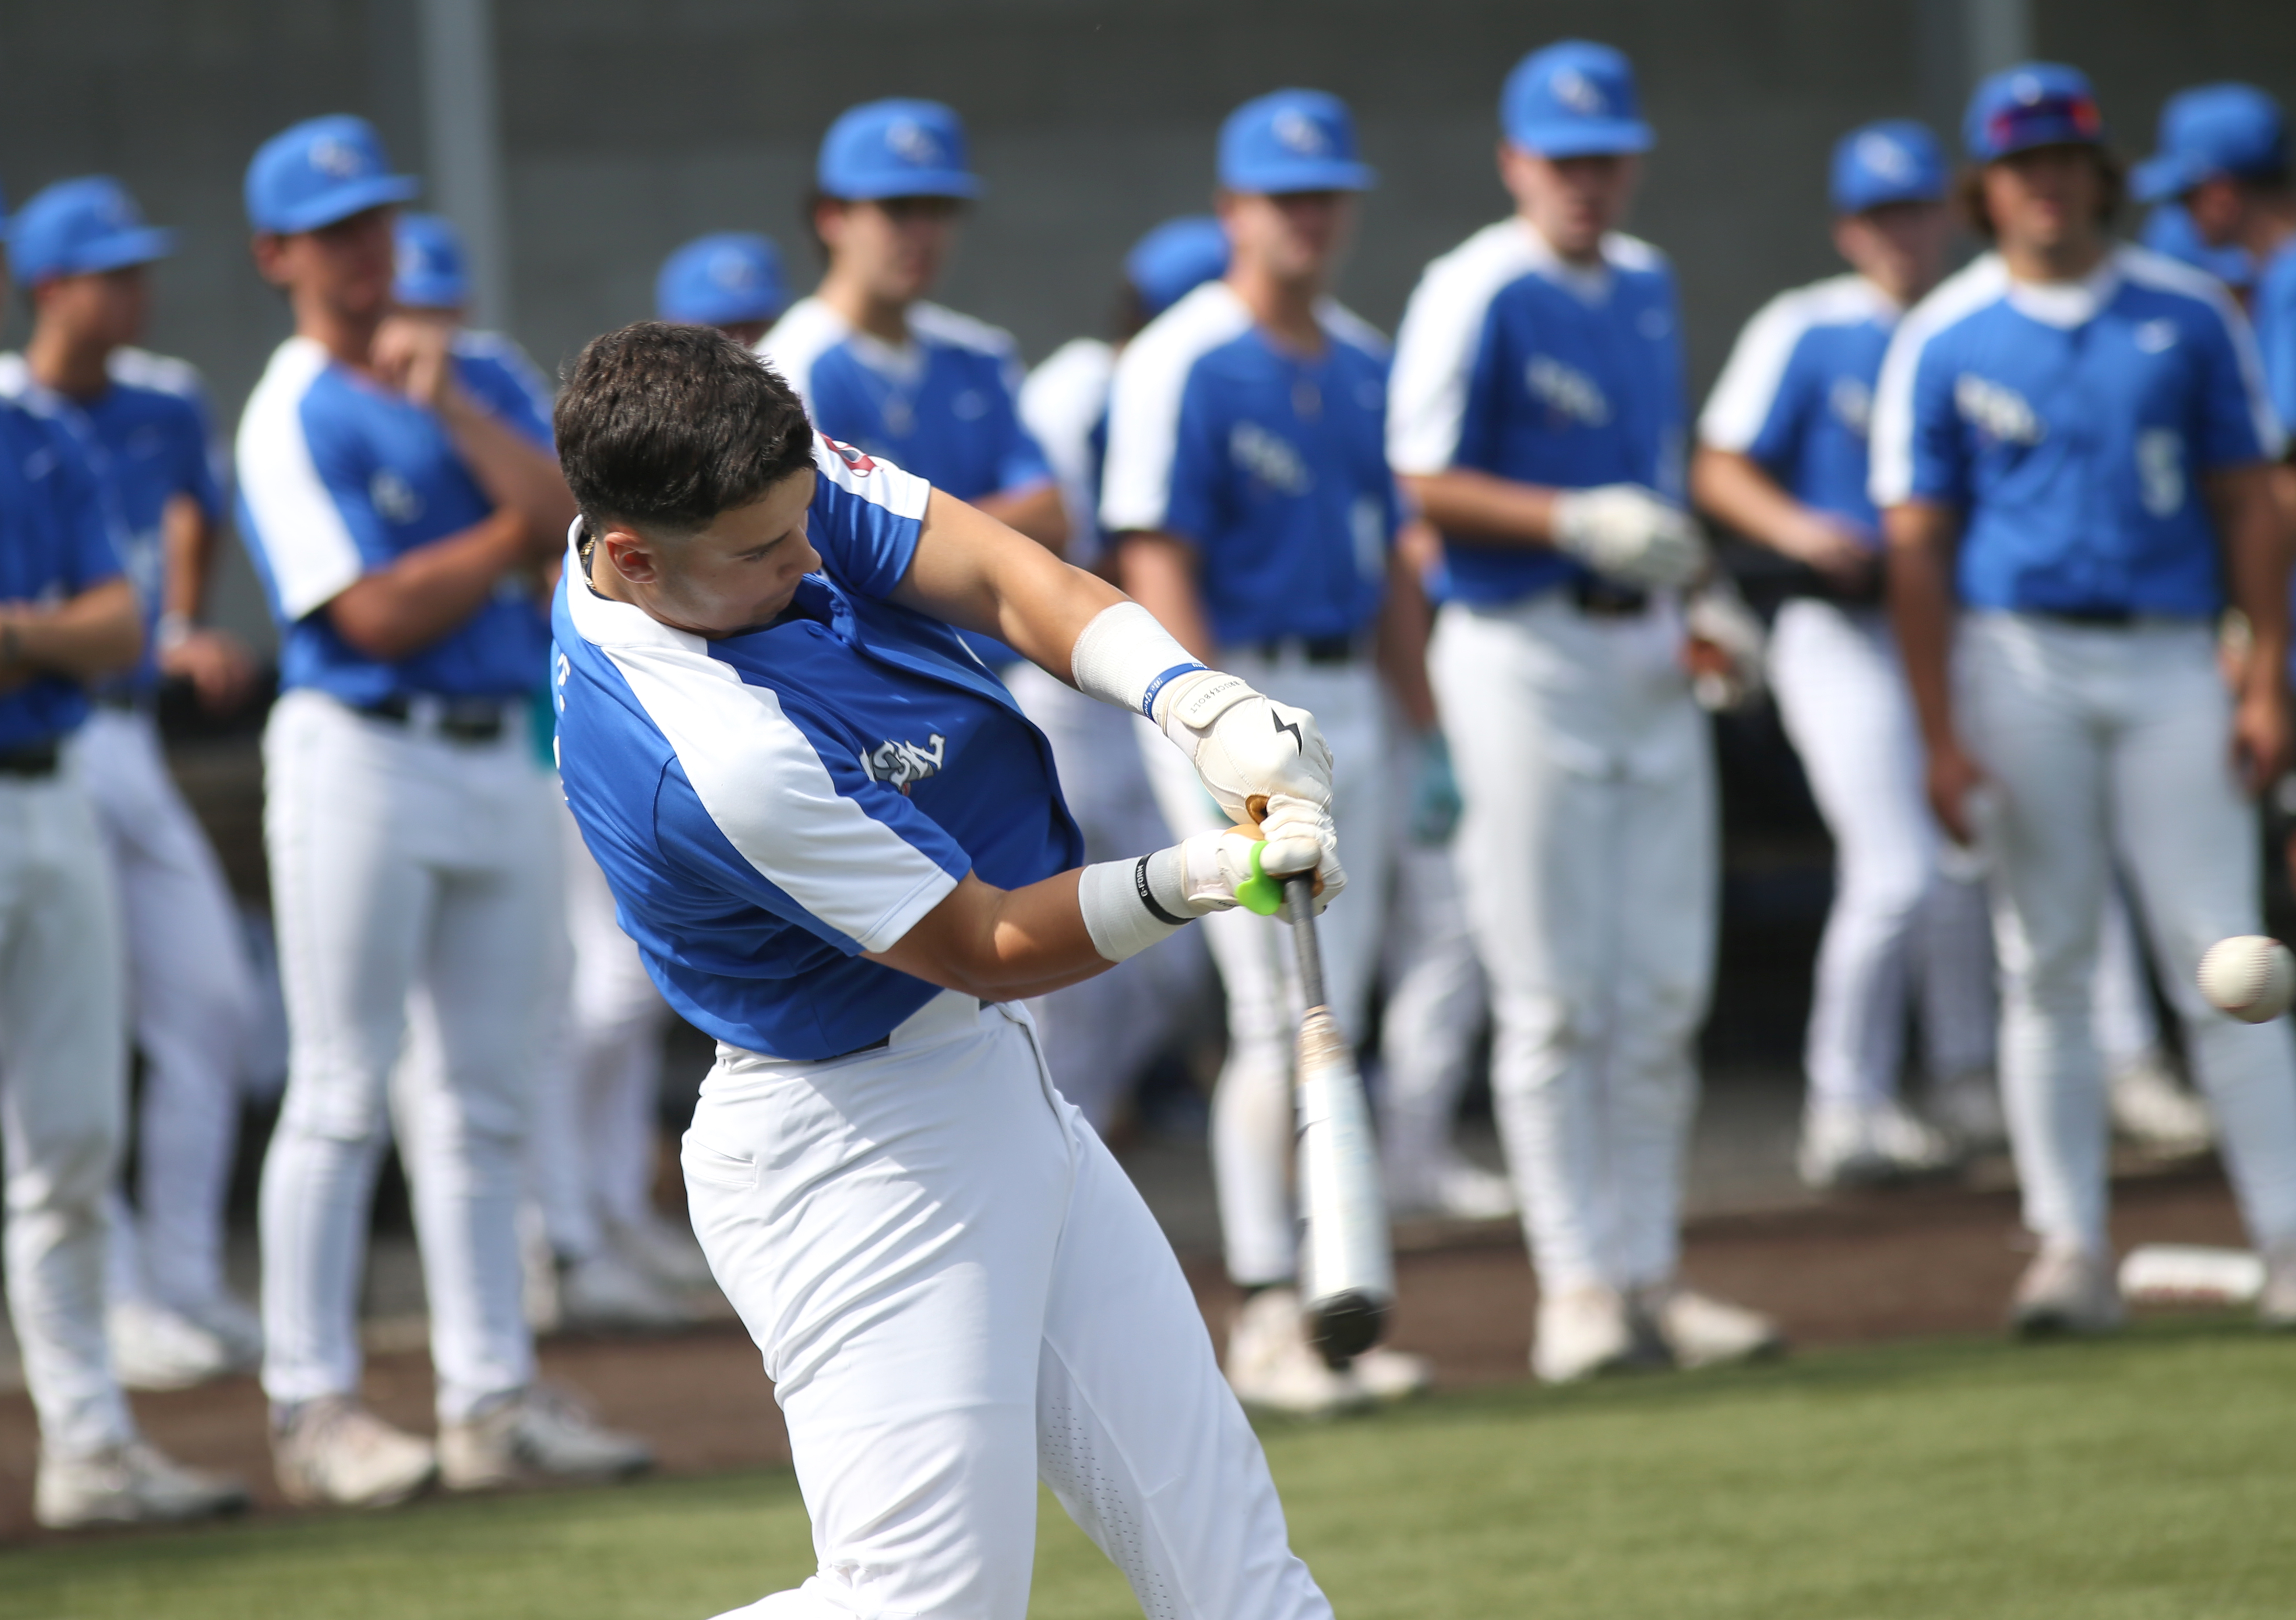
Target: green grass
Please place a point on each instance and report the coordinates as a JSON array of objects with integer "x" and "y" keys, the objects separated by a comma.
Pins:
[{"x": 2152, "y": 1477}]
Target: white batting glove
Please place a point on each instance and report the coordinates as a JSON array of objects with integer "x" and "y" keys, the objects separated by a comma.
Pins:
[
  {"x": 1628, "y": 534},
  {"x": 1719, "y": 616},
  {"x": 1245, "y": 745},
  {"x": 1217, "y": 872}
]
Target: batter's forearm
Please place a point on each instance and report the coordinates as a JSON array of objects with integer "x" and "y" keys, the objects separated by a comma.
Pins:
[
  {"x": 1464, "y": 501},
  {"x": 1000, "y": 944}
]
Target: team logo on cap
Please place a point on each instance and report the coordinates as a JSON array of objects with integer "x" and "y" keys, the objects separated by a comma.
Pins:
[
  {"x": 1885, "y": 157},
  {"x": 912, "y": 142},
  {"x": 1295, "y": 131},
  {"x": 337, "y": 158},
  {"x": 861, "y": 464},
  {"x": 731, "y": 269},
  {"x": 1577, "y": 92}
]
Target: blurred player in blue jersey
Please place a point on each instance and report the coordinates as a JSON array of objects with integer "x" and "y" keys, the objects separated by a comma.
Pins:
[
  {"x": 2071, "y": 450},
  {"x": 81, "y": 248},
  {"x": 398, "y": 505},
  {"x": 731, "y": 280},
  {"x": 881, "y": 367},
  {"x": 2168, "y": 229},
  {"x": 67, "y": 618},
  {"x": 1098, "y": 1035},
  {"x": 1538, "y": 418},
  {"x": 1249, "y": 494}
]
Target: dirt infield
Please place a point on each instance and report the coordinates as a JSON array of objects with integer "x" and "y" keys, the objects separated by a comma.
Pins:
[{"x": 1904, "y": 1265}]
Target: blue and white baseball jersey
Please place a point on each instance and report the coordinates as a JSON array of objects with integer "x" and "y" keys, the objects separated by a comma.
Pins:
[
  {"x": 946, "y": 406},
  {"x": 149, "y": 438},
  {"x": 1512, "y": 361},
  {"x": 1064, "y": 406},
  {"x": 1270, "y": 463},
  {"x": 2274, "y": 303},
  {"x": 2071, "y": 426},
  {"x": 57, "y": 538},
  {"x": 338, "y": 476},
  {"x": 770, "y": 806},
  {"x": 1797, "y": 396}
]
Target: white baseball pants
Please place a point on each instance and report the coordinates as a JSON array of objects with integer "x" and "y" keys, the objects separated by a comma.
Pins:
[
  {"x": 63, "y": 1084},
  {"x": 191, "y": 1007},
  {"x": 1253, "y": 1130},
  {"x": 1099, "y": 1035},
  {"x": 1588, "y": 857},
  {"x": 2115, "y": 743},
  {"x": 403, "y": 864},
  {"x": 1434, "y": 1009},
  {"x": 958, "y": 1293}
]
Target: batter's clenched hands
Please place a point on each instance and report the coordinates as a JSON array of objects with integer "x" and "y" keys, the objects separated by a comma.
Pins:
[{"x": 1259, "y": 759}]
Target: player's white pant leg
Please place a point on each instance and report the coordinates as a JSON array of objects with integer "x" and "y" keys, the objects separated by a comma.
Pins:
[
  {"x": 2127, "y": 1027},
  {"x": 618, "y": 1021},
  {"x": 396, "y": 860},
  {"x": 190, "y": 1004},
  {"x": 956, "y": 1290},
  {"x": 1955, "y": 982},
  {"x": 556, "y": 1167},
  {"x": 1843, "y": 701},
  {"x": 64, "y": 1064},
  {"x": 1587, "y": 774},
  {"x": 1253, "y": 1132},
  {"x": 1434, "y": 1004}
]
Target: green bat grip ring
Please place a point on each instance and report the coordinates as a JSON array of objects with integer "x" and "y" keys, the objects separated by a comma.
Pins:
[{"x": 1261, "y": 894}]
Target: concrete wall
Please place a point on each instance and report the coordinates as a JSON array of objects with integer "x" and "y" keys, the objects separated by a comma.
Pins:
[{"x": 628, "y": 127}]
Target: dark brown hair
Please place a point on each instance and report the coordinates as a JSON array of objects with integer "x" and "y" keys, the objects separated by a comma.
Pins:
[
  {"x": 2112, "y": 186},
  {"x": 664, "y": 427}
]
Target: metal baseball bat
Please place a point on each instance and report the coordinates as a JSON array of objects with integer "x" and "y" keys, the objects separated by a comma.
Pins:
[{"x": 1346, "y": 1271}]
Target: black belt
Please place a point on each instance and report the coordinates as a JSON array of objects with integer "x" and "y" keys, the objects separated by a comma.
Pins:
[
  {"x": 460, "y": 720},
  {"x": 1312, "y": 649},
  {"x": 31, "y": 760},
  {"x": 128, "y": 703},
  {"x": 1600, "y": 598},
  {"x": 2088, "y": 618}
]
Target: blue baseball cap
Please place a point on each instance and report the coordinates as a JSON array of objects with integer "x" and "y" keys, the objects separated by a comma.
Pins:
[
  {"x": 1895, "y": 161},
  {"x": 896, "y": 149},
  {"x": 427, "y": 270},
  {"x": 1173, "y": 260},
  {"x": 79, "y": 227},
  {"x": 1291, "y": 141},
  {"x": 2215, "y": 129},
  {"x": 322, "y": 171},
  {"x": 721, "y": 279},
  {"x": 2034, "y": 103},
  {"x": 1574, "y": 99},
  {"x": 2170, "y": 229}
]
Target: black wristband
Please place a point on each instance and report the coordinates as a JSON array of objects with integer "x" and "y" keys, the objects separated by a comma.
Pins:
[{"x": 1148, "y": 897}]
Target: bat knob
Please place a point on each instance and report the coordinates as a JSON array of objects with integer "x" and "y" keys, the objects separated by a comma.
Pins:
[{"x": 1342, "y": 1326}]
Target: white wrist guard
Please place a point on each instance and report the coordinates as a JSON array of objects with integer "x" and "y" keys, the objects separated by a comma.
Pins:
[
  {"x": 1129, "y": 905},
  {"x": 1124, "y": 657}
]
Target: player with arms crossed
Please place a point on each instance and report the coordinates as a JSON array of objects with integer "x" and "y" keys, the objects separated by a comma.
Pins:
[
  {"x": 842, "y": 851},
  {"x": 1537, "y": 417},
  {"x": 2071, "y": 452}
]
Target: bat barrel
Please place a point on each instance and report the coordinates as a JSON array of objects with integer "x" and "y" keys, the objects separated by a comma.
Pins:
[
  {"x": 1346, "y": 1270},
  {"x": 1342, "y": 1326}
]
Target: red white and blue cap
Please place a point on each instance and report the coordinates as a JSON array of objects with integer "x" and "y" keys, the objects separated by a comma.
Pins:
[
  {"x": 2034, "y": 103},
  {"x": 1291, "y": 141},
  {"x": 322, "y": 171},
  {"x": 896, "y": 149},
  {"x": 1574, "y": 99},
  {"x": 427, "y": 269},
  {"x": 1895, "y": 161},
  {"x": 1173, "y": 260},
  {"x": 80, "y": 227},
  {"x": 721, "y": 279},
  {"x": 2215, "y": 129}
]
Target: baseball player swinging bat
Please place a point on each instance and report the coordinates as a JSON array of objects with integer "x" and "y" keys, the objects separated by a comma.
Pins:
[{"x": 1346, "y": 1271}]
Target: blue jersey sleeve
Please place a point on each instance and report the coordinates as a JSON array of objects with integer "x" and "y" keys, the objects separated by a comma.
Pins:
[
  {"x": 2275, "y": 334},
  {"x": 1777, "y": 442},
  {"x": 345, "y": 463},
  {"x": 1940, "y": 453},
  {"x": 508, "y": 385},
  {"x": 1193, "y": 500},
  {"x": 2235, "y": 424},
  {"x": 1484, "y": 408},
  {"x": 865, "y": 517}
]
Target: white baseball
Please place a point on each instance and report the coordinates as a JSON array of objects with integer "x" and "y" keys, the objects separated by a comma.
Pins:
[{"x": 2249, "y": 977}]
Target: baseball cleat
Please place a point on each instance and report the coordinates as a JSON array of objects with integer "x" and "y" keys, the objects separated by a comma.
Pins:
[
  {"x": 2152, "y": 1110},
  {"x": 131, "y": 1484},
  {"x": 607, "y": 1291},
  {"x": 538, "y": 1433},
  {"x": 1869, "y": 1143},
  {"x": 1271, "y": 1365},
  {"x": 1582, "y": 1332},
  {"x": 332, "y": 1452},
  {"x": 2275, "y": 1306},
  {"x": 2068, "y": 1289},
  {"x": 1968, "y": 1105},
  {"x": 155, "y": 1348},
  {"x": 1390, "y": 1375},
  {"x": 665, "y": 1252},
  {"x": 1699, "y": 1330}
]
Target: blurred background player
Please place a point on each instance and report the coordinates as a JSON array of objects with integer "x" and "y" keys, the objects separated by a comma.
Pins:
[
  {"x": 883, "y": 370},
  {"x": 81, "y": 248},
  {"x": 398, "y": 518},
  {"x": 604, "y": 1258},
  {"x": 1255, "y": 515},
  {"x": 67, "y": 617},
  {"x": 731, "y": 280},
  {"x": 1538, "y": 418},
  {"x": 2056, "y": 611},
  {"x": 1099, "y": 1035}
]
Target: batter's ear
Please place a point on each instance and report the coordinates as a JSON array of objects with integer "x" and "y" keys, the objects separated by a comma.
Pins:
[{"x": 631, "y": 554}]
